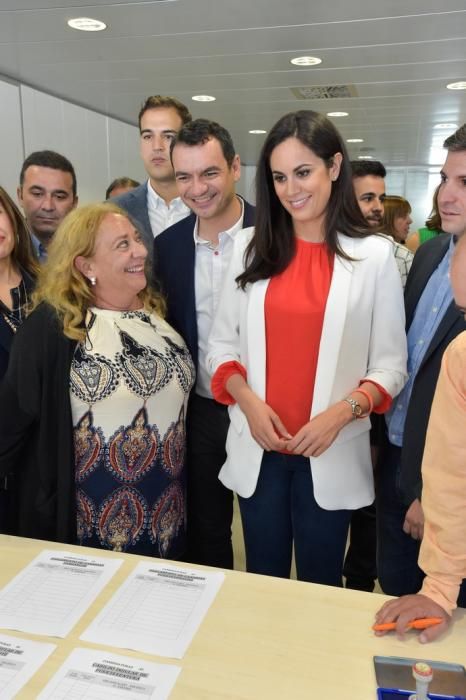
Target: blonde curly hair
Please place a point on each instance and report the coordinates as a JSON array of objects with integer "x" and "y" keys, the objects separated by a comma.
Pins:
[{"x": 60, "y": 283}]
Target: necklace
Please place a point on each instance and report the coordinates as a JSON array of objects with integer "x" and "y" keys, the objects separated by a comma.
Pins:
[{"x": 10, "y": 323}]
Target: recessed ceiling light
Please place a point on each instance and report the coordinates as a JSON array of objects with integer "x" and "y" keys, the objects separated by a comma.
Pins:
[
  {"x": 86, "y": 24},
  {"x": 461, "y": 85},
  {"x": 365, "y": 157},
  {"x": 257, "y": 131},
  {"x": 354, "y": 140},
  {"x": 445, "y": 125},
  {"x": 306, "y": 61},
  {"x": 203, "y": 98},
  {"x": 337, "y": 114}
]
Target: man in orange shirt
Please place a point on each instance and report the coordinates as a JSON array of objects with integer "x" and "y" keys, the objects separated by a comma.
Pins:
[{"x": 443, "y": 551}]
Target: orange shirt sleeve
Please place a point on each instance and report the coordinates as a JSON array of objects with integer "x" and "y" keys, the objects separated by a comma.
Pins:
[
  {"x": 386, "y": 402},
  {"x": 443, "y": 549},
  {"x": 220, "y": 378}
]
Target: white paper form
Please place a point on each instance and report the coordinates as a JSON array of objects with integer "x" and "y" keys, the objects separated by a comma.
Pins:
[
  {"x": 97, "y": 675},
  {"x": 158, "y": 609},
  {"x": 19, "y": 660},
  {"x": 52, "y": 592}
]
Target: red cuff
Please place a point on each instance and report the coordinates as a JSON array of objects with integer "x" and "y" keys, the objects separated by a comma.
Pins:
[
  {"x": 386, "y": 402},
  {"x": 220, "y": 378}
]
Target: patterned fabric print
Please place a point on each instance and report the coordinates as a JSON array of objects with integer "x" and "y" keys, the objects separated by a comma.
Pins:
[
  {"x": 168, "y": 518},
  {"x": 145, "y": 370},
  {"x": 88, "y": 447},
  {"x": 122, "y": 517},
  {"x": 92, "y": 377},
  {"x": 185, "y": 371},
  {"x": 142, "y": 315},
  {"x": 131, "y": 450},
  {"x": 86, "y": 515},
  {"x": 174, "y": 447}
]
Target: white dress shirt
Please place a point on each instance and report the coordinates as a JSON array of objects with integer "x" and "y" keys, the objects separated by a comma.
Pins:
[
  {"x": 161, "y": 215},
  {"x": 211, "y": 263}
]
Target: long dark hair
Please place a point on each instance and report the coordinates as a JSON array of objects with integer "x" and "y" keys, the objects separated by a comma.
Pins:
[
  {"x": 434, "y": 222},
  {"x": 22, "y": 254},
  {"x": 273, "y": 245}
]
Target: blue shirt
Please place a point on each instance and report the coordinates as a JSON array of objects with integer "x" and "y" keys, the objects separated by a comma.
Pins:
[
  {"x": 41, "y": 250},
  {"x": 430, "y": 310}
]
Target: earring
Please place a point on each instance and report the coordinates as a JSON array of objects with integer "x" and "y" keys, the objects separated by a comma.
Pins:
[{"x": 92, "y": 280}]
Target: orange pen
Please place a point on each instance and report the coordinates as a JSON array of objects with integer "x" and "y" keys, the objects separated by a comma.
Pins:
[{"x": 420, "y": 624}]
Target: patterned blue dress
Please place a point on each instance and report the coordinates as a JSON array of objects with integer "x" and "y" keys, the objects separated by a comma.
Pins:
[{"x": 129, "y": 386}]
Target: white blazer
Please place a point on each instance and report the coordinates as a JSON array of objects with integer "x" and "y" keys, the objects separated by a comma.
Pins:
[{"x": 363, "y": 337}]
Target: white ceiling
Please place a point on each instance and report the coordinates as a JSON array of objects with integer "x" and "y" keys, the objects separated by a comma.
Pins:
[{"x": 398, "y": 55}]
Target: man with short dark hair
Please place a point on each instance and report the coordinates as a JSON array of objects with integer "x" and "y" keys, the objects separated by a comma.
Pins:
[
  {"x": 360, "y": 568},
  {"x": 433, "y": 321},
  {"x": 191, "y": 259},
  {"x": 155, "y": 205},
  {"x": 120, "y": 185},
  {"x": 369, "y": 188},
  {"x": 47, "y": 192}
]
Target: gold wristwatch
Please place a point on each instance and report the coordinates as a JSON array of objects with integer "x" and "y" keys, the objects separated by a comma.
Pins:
[{"x": 356, "y": 408}]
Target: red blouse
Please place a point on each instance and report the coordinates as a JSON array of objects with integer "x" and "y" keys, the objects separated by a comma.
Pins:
[{"x": 294, "y": 313}]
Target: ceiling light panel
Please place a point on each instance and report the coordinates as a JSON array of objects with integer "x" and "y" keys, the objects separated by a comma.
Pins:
[
  {"x": 306, "y": 61},
  {"x": 461, "y": 85},
  {"x": 86, "y": 24},
  {"x": 203, "y": 98},
  {"x": 446, "y": 126}
]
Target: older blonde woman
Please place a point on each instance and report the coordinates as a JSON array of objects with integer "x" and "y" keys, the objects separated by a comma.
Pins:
[{"x": 92, "y": 407}]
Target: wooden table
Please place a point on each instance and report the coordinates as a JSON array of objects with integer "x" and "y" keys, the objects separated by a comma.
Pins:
[{"x": 263, "y": 638}]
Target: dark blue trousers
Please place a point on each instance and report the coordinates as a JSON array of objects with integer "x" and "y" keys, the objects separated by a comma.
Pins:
[{"x": 282, "y": 512}]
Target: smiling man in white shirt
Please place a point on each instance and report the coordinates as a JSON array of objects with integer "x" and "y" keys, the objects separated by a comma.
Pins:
[{"x": 191, "y": 259}]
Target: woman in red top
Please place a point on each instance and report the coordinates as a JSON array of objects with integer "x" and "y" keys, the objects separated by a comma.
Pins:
[{"x": 309, "y": 336}]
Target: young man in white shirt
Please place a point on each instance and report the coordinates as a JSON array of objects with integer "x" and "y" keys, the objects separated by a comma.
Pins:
[{"x": 155, "y": 205}]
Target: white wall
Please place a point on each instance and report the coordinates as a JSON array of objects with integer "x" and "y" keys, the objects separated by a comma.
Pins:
[
  {"x": 99, "y": 147},
  {"x": 246, "y": 187},
  {"x": 11, "y": 137}
]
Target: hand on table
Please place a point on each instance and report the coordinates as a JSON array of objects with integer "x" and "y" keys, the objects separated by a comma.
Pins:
[
  {"x": 411, "y": 607},
  {"x": 414, "y": 520}
]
